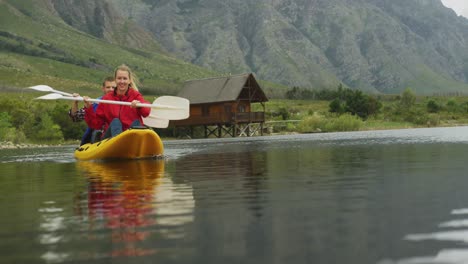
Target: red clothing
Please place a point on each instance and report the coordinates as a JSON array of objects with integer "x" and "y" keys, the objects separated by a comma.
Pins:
[{"x": 105, "y": 113}]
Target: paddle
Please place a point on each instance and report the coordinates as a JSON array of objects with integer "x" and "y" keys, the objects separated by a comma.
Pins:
[
  {"x": 164, "y": 107},
  {"x": 155, "y": 122},
  {"x": 150, "y": 121},
  {"x": 45, "y": 88}
]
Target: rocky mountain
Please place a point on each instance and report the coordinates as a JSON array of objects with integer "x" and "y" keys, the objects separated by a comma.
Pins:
[
  {"x": 75, "y": 44},
  {"x": 374, "y": 45},
  {"x": 101, "y": 19}
]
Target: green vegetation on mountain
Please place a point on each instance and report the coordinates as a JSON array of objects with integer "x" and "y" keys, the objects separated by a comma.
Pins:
[
  {"x": 37, "y": 47},
  {"x": 376, "y": 46},
  {"x": 298, "y": 49}
]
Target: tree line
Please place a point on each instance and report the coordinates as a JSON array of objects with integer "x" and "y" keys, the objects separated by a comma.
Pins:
[
  {"x": 24, "y": 120},
  {"x": 342, "y": 100},
  {"x": 406, "y": 107}
]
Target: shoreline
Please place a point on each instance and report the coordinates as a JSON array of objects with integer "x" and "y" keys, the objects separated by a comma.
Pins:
[{"x": 10, "y": 145}]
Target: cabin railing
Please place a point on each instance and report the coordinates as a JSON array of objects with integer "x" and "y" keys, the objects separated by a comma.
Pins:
[
  {"x": 221, "y": 118},
  {"x": 251, "y": 117}
]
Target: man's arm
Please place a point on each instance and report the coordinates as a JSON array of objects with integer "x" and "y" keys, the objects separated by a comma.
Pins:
[{"x": 78, "y": 115}]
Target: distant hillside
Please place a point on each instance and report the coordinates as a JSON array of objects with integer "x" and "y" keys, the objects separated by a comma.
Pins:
[
  {"x": 37, "y": 46},
  {"x": 374, "y": 45}
]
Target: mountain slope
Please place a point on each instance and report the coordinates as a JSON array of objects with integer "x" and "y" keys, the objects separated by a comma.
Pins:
[
  {"x": 375, "y": 45},
  {"x": 38, "y": 47},
  {"x": 100, "y": 19}
]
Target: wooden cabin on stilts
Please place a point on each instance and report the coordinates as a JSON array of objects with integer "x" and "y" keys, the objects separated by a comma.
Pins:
[{"x": 221, "y": 107}]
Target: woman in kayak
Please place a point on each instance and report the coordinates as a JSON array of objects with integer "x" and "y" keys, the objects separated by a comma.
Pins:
[{"x": 117, "y": 118}]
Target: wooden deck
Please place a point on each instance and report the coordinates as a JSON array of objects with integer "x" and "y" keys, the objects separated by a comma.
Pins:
[{"x": 222, "y": 119}]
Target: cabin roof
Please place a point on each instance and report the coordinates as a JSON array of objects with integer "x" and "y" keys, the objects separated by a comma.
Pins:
[{"x": 222, "y": 89}]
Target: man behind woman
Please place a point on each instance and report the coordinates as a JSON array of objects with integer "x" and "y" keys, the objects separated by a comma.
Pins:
[
  {"x": 77, "y": 115},
  {"x": 114, "y": 119}
]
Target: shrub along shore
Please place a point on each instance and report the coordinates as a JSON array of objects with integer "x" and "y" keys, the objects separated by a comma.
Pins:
[
  {"x": 352, "y": 110},
  {"x": 11, "y": 145},
  {"x": 25, "y": 122}
]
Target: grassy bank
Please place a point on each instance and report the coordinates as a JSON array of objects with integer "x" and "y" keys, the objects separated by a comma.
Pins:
[
  {"x": 315, "y": 116},
  {"x": 24, "y": 120}
]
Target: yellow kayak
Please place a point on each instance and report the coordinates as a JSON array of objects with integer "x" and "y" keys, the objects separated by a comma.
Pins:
[{"x": 134, "y": 143}]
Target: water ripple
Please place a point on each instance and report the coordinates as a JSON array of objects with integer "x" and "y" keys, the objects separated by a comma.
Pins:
[{"x": 447, "y": 255}]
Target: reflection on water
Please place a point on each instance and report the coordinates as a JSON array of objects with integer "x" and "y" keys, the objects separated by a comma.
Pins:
[
  {"x": 358, "y": 198},
  {"x": 455, "y": 233},
  {"x": 378, "y": 137},
  {"x": 320, "y": 199},
  {"x": 231, "y": 217},
  {"x": 40, "y": 154},
  {"x": 120, "y": 197},
  {"x": 125, "y": 203}
]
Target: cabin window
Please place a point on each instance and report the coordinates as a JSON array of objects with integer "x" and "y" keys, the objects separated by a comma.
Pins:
[
  {"x": 241, "y": 108},
  {"x": 205, "y": 110},
  {"x": 227, "y": 108}
]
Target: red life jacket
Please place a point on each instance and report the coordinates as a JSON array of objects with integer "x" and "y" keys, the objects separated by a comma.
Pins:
[{"x": 105, "y": 113}]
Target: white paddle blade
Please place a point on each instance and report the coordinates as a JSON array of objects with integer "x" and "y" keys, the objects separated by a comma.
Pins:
[
  {"x": 42, "y": 88},
  {"x": 171, "y": 107},
  {"x": 51, "y": 96},
  {"x": 46, "y": 88},
  {"x": 156, "y": 122}
]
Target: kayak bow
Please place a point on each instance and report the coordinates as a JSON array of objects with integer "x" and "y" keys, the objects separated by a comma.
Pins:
[{"x": 134, "y": 143}]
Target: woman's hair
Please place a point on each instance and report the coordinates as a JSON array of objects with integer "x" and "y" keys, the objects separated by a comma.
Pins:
[{"x": 132, "y": 76}]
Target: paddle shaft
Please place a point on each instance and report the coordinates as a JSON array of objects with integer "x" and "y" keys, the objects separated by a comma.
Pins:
[
  {"x": 173, "y": 108},
  {"x": 117, "y": 102},
  {"x": 168, "y": 107},
  {"x": 151, "y": 121},
  {"x": 62, "y": 93}
]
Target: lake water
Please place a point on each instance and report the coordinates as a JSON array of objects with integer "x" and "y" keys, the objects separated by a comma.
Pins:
[{"x": 379, "y": 197}]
